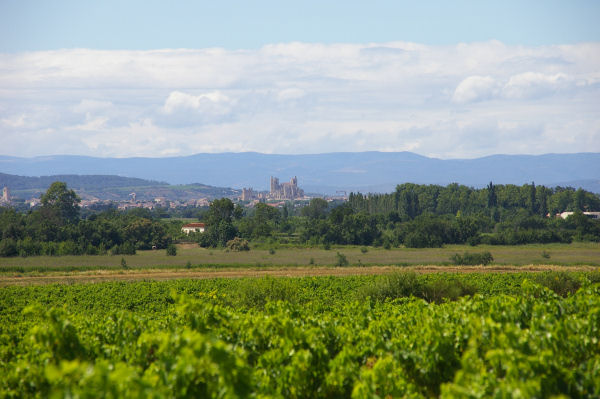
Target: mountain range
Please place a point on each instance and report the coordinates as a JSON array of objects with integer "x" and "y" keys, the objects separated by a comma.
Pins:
[{"x": 326, "y": 173}]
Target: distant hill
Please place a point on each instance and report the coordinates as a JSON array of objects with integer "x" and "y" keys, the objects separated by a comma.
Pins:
[
  {"x": 109, "y": 187},
  {"x": 324, "y": 173},
  {"x": 80, "y": 182}
]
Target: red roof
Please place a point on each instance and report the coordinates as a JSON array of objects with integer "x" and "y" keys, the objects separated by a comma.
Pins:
[{"x": 194, "y": 225}]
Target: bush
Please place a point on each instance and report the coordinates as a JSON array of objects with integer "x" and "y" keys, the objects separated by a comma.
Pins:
[
  {"x": 402, "y": 285},
  {"x": 419, "y": 239},
  {"x": 28, "y": 247},
  {"x": 171, "y": 250},
  {"x": 8, "y": 247},
  {"x": 238, "y": 244},
  {"x": 560, "y": 282},
  {"x": 446, "y": 290},
  {"x": 472, "y": 258},
  {"x": 126, "y": 248},
  {"x": 397, "y": 285},
  {"x": 271, "y": 251},
  {"x": 341, "y": 260},
  {"x": 364, "y": 250},
  {"x": 68, "y": 248}
]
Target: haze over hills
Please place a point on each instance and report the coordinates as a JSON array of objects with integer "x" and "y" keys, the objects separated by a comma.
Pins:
[
  {"x": 110, "y": 187},
  {"x": 329, "y": 172}
]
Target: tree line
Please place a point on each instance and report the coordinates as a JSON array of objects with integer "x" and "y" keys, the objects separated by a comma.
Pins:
[
  {"x": 417, "y": 216},
  {"x": 412, "y": 216},
  {"x": 56, "y": 228}
]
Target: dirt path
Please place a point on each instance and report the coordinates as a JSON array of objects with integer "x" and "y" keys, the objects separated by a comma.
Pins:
[{"x": 170, "y": 274}]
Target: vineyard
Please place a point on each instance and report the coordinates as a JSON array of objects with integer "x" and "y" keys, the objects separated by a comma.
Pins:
[{"x": 401, "y": 335}]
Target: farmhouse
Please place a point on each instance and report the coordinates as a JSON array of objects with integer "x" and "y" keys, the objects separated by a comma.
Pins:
[
  {"x": 591, "y": 215},
  {"x": 193, "y": 228}
]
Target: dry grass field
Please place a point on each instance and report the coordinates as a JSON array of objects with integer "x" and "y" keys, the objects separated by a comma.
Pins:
[
  {"x": 98, "y": 276},
  {"x": 193, "y": 256}
]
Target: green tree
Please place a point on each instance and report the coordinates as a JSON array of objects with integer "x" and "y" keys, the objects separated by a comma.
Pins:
[
  {"x": 316, "y": 209},
  {"x": 492, "y": 199},
  {"x": 220, "y": 228},
  {"x": 60, "y": 204}
]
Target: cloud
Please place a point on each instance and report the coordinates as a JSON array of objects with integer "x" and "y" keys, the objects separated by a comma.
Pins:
[
  {"x": 535, "y": 84},
  {"x": 213, "y": 103},
  {"x": 475, "y": 88},
  {"x": 466, "y": 100},
  {"x": 292, "y": 93},
  {"x": 86, "y": 106}
]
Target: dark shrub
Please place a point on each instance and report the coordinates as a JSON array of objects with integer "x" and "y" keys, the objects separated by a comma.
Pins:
[
  {"x": 341, "y": 260},
  {"x": 8, "y": 247},
  {"x": 171, "y": 250},
  {"x": 238, "y": 244},
  {"x": 472, "y": 258},
  {"x": 560, "y": 282}
]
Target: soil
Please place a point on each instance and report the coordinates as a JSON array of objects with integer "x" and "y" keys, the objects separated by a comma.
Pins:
[{"x": 170, "y": 274}]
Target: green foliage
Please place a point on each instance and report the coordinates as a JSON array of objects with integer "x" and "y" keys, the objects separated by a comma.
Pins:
[
  {"x": 8, "y": 247},
  {"x": 316, "y": 209},
  {"x": 126, "y": 248},
  {"x": 473, "y": 258},
  {"x": 408, "y": 284},
  {"x": 171, "y": 250},
  {"x": 545, "y": 254},
  {"x": 60, "y": 204},
  {"x": 560, "y": 282},
  {"x": 238, "y": 244},
  {"x": 300, "y": 338},
  {"x": 341, "y": 259}
]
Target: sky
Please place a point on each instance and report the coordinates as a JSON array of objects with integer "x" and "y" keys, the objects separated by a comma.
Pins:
[{"x": 459, "y": 79}]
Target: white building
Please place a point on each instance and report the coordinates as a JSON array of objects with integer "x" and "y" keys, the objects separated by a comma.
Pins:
[
  {"x": 591, "y": 215},
  {"x": 193, "y": 228}
]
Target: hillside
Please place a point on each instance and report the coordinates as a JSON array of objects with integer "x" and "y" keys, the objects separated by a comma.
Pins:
[{"x": 109, "y": 187}]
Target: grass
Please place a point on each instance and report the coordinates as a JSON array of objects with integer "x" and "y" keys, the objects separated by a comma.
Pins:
[{"x": 559, "y": 254}]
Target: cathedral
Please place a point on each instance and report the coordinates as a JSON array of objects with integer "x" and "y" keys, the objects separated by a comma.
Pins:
[{"x": 285, "y": 191}]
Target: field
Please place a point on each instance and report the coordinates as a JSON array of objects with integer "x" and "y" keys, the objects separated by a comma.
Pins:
[
  {"x": 556, "y": 254},
  {"x": 391, "y": 323},
  {"x": 401, "y": 335}
]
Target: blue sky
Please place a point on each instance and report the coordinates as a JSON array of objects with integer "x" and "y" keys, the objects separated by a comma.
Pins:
[
  {"x": 27, "y": 25},
  {"x": 449, "y": 79}
]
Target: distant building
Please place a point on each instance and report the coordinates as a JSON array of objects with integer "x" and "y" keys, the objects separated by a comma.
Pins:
[
  {"x": 193, "y": 228},
  {"x": 34, "y": 202},
  {"x": 5, "y": 196},
  {"x": 247, "y": 194},
  {"x": 285, "y": 191},
  {"x": 591, "y": 215}
]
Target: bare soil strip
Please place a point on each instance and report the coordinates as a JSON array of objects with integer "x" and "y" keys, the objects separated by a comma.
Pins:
[{"x": 97, "y": 276}]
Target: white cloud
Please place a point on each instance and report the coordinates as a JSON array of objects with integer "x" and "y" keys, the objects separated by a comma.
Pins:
[
  {"x": 292, "y": 93},
  {"x": 213, "y": 103},
  {"x": 86, "y": 106},
  {"x": 475, "y": 88},
  {"x": 15, "y": 121},
  {"x": 448, "y": 101},
  {"x": 535, "y": 84}
]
